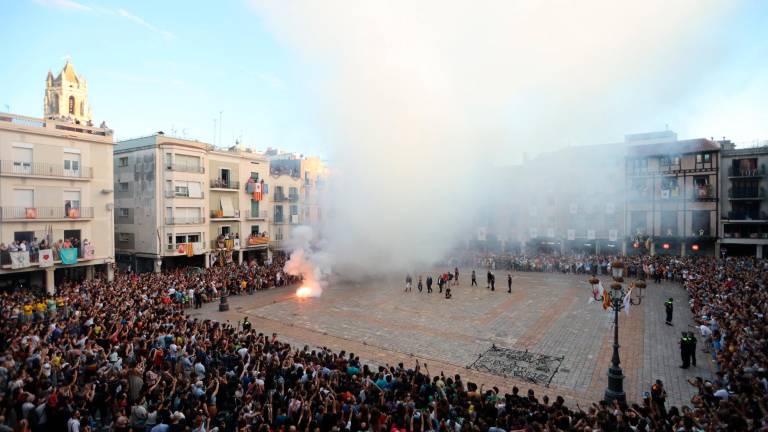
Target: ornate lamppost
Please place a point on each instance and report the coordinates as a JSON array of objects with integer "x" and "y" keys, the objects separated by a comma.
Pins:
[{"x": 615, "y": 390}]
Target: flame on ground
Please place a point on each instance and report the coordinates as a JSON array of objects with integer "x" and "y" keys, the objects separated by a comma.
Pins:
[{"x": 304, "y": 292}]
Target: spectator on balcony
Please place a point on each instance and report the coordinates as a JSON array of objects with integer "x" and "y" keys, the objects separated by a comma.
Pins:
[{"x": 66, "y": 244}]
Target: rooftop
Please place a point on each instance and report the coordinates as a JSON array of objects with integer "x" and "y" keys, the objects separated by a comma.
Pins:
[
  {"x": 55, "y": 127},
  {"x": 673, "y": 147}
]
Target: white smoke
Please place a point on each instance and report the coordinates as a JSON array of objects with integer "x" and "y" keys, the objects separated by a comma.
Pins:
[
  {"x": 421, "y": 98},
  {"x": 308, "y": 262}
]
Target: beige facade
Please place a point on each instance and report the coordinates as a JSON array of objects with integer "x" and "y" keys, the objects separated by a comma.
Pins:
[
  {"x": 55, "y": 184},
  {"x": 184, "y": 203},
  {"x": 296, "y": 195}
]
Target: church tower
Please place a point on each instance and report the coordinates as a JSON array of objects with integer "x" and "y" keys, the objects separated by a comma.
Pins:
[{"x": 66, "y": 96}]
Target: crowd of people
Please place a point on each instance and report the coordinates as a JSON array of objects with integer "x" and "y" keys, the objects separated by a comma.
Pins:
[{"x": 124, "y": 356}]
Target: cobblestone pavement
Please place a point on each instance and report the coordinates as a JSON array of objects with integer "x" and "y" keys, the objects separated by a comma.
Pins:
[{"x": 546, "y": 314}]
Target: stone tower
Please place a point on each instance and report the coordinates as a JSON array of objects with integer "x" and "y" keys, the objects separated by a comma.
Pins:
[{"x": 66, "y": 96}]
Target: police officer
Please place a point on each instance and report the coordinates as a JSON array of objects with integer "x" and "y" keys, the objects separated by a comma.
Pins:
[
  {"x": 692, "y": 348},
  {"x": 668, "y": 308},
  {"x": 685, "y": 351}
]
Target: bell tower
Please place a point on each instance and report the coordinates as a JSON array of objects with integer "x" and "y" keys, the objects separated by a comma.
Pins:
[{"x": 66, "y": 96}]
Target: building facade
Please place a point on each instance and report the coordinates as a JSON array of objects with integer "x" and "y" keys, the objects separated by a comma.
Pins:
[
  {"x": 672, "y": 195},
  {"x": 185, "y": 203},
  {"x": 56, "y": 201},
  {"x": 743, "y": 224}
]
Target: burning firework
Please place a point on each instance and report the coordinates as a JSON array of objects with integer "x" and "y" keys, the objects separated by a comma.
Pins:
[{"x": 305, "y": 291}]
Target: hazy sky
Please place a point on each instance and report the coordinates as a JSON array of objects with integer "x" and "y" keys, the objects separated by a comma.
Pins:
[{"x": 173, "y": 65}]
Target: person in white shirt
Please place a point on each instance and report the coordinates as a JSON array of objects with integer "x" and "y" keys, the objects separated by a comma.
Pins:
[{"x": 73, "y": 424}]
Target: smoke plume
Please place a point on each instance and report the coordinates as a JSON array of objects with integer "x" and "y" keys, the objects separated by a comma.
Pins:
[{"x": 423, "y": 98}]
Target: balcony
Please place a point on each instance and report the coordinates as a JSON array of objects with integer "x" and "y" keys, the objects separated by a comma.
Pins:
[
  {"x": 747, "y": 215},
  {"x": 28, "y": 214},
  {"x": 34, "y": 256},
  {"x": 293, "y": 197},
  {"x": 279, "y": 197},
  {"x": 219, "y": 214},
  {"x": 177, "y": 194},
  {"x": 25, "y": 169},
  {"x": 704, "y": 193},
  {"x": 257, "y": 241},
  {"x": 260, "y": 215},
  {"x": 225, "y": 184},
  {"x": 734, "y": 172},
  {"x": 225, "y": 244},
  {"x": 181, "y": 248},
  {"x": 746, "y": 194},
  {"x": 195, "y": 220},
  {"x": 185, "y": 168},
  {"x": 278, "y": 220}
]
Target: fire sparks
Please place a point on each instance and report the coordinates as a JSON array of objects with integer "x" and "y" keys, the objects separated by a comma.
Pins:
[{"x": 304, "y": 292}]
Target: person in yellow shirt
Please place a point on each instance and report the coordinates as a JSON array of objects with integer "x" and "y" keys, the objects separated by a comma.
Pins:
[
  {"x": 28, "y": 312},
  {"x": 40, "y": 308}
]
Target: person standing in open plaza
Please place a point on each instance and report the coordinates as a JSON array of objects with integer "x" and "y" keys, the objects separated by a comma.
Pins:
[
  {"x": 509, "y": 283},
  {"x": 429, "y": 284},
  {"x": 420, "y": 284},
  {"x": 474, "y": 279},
  {"x": 408, "y": 283},
  {"x": 668, "y": 308}
]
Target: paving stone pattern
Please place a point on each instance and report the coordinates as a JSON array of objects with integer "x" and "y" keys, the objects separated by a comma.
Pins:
[{"x": 547, "y": 314}]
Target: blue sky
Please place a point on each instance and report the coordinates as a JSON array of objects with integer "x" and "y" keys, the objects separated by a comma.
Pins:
[
  {"x": 160, "y": 65},
  {"x": 173, "y": 65}
]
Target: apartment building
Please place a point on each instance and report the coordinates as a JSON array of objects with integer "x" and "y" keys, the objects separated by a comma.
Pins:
[
  {"x": 238, "y": 226},
  {"x": 672, "y": 194},
  {"x": 161, "y": 204},
  {"x": 56, "y": 196},
  {"x": 296, "y": 194},
  {"x": 743, "y": 227},
  {"x": 55, "y": 201},
  {"x": 183, "y": 203}
]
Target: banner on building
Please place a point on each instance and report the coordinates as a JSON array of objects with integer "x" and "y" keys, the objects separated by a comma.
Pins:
[
  {"x": 613, "y": 235},
  {"x": 237, "y": 243},
  {"x": 19, "y": 259},
  {"x": 189, "y": 249},
  {"x": 68, "y": 255},
  {"x": 590, "y": 234},
  {"x": 571, "y": 234},
  {"x": 197, "y": 248},
  {"x": 88, "y": 252},
  {"x": 46, "y": 257}
]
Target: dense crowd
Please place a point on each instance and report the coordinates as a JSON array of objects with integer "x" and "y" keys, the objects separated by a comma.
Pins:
[{"x": 123, "y": 355}]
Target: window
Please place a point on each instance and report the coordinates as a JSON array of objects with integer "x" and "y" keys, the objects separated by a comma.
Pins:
[
  {"x": 224, "y": 176},
  {"x": 168, "y": 159},
  {"x": 293, "y": 193},
  {"x": 279, "y": 193},
  {"x": 700, "y": 222},
  {"x": 181, "y": 189},
  {"x": 71, "y": 199},
  {"x": 669, "y": 163},
  {"x": 704, "y": 160},
  {"x": 255, "y": 176},
  {"x": 225, "y": 230},
  {"x": 122, "y": 162},
  {"x": 72, "y": 164},
  {"x": 278, "y": 214},
  {"x": 72, "y": 105},
  {"x": 122, "y": 187},
  {"x": 24, "y": 197},
  {"x": 254, "y": 208},
  {"x": 669, "y": 223},
  {"x": 22, "y": 160},
  {"x": 123, "y": 212},
  {"x": 669, "y": 188},
  {"x": 294, "y": 210},
  {"x": 254, "y": 230},
  {"x": 638, "y": 165},
  {"x": 124, "y": 237}
]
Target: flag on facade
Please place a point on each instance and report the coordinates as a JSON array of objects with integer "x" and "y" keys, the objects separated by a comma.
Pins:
[
  {"x": 68, "y": 255},
  {"x": 46, "y": 257},
  {"x": 19, "y": 259},
  {"x": 257, "y": 193},
  {"x": 88, "y": 252},
  {"x": 197, "y": 248},
  {"x": 606, "y": 300},
  {"x": 189, "y": 249}
]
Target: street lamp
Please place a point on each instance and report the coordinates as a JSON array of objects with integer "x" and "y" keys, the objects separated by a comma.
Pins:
[{"x": 615, "y": 390}]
